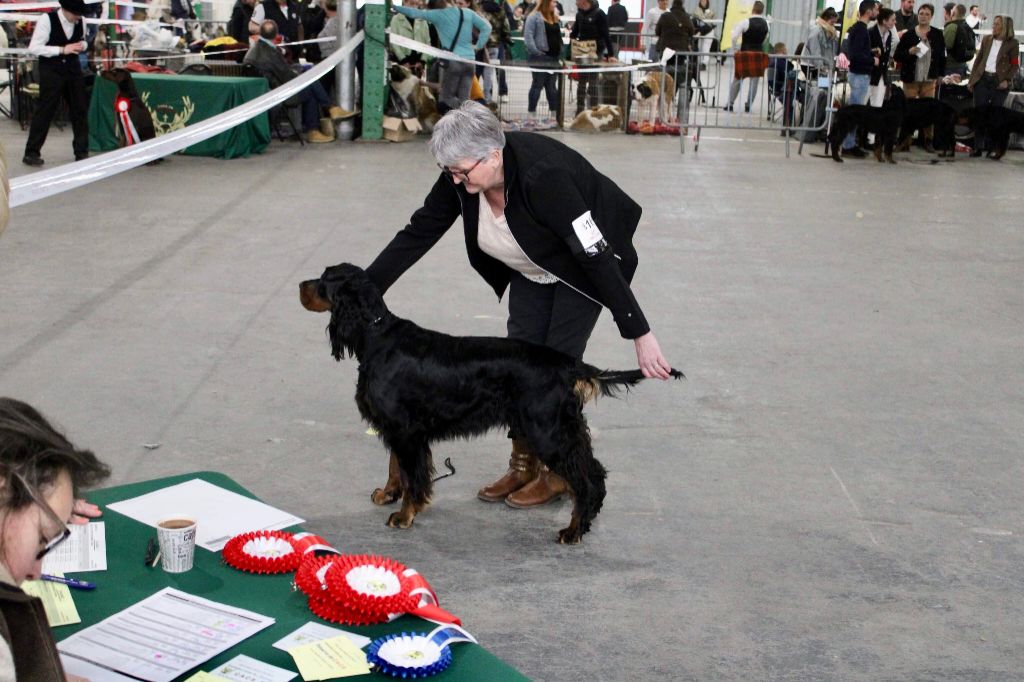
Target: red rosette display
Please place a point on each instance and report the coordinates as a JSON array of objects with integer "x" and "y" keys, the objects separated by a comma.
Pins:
[
  {"x": 335, "y": 612},
  {"x": 264, "y": 551},
  {"x": 310, "y": 576},
  {"x": 371, "y": 585}
]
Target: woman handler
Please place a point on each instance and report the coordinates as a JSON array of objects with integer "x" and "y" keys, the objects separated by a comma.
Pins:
[{"x": 541, "y": 222}]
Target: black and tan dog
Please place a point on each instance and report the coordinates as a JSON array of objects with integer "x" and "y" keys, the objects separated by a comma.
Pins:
[
  {"x": 883, "y": 121},
  {"x": 997, "y": 123},
  {"x": 417, "y": 387},
  {"x": 928, "y": 112},
  {"x": 134, "y": 123}
]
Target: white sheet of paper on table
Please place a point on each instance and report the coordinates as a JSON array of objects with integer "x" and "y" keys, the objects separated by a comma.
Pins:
[
  {"x": 221, "y": 514},
  {"x": 246, "y": 669},
  {"x": 163, "y": 636},
  {"x": 84, "y": 550},
  {"x": 315, "y": 632}
]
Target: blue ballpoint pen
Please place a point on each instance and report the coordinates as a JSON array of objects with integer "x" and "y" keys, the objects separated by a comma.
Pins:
[{"x": 70, "y": 582}]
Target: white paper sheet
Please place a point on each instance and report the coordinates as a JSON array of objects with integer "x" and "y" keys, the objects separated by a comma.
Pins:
[
  {"x": 221, "y": 514},
  {"x": 315, "y": 632},
  {"x": 245, "y": 669},
  {"x": 91, "y": 672},
  {"x": 163, "y": 636},
  {"x": 84, "y": 550}
]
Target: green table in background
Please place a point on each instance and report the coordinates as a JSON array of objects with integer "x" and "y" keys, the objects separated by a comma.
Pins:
[
  {"x": 179, "y": 101},
  {"x": 127, "y": 581}
]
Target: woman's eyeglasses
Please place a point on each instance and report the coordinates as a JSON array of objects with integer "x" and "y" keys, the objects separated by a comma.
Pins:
[
  {"x": 65, "y": 531},
  {"x": 464, "y": 174}
]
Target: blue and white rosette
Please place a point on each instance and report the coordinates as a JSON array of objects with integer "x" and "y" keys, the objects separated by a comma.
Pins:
[{"x": 411, "y": 655}]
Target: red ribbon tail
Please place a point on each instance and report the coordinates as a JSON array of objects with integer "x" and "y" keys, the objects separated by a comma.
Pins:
[{"x": 435, "y": 613}]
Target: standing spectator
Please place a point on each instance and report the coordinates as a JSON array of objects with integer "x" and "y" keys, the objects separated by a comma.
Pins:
[
  {"x": 975, "y": 18},
  {"x": 618, "y": 17},
  {"x": 705, "y": 43},
  {"x": 57, "y": 40},
  {"x": 675, "y": 32},
  {"x": 905, "y": 18},
  {"x": 505, "y": 49},
  {"x": 416, "y": 29},
  {"x": 704, "y": 11},
  {"x": 241, "y": 17},
  {"x": 501, "y": 33},
  {"x": 542, "y": 35},
  {"x": 180, "y": 11},
  {"x": 960, "y": 42},
  {"x": 590, "y": 27},
  {"x": 455, "y": 30},
  {"x": 312, "y": 19},
  {"x": 997, "y": 62},
  {"x": 862, "y": 62},
  {"x": 921, "y": 54},
  {"x": 750, "y": 34},
  {"x": 883, "y": 44},
  {"x": 647, "y": 38},
  {"x": 822, "y": 42},
  {"x": 285, "y": 15}
]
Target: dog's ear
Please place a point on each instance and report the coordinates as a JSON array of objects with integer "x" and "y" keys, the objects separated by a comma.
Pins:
[{"x": 356, "y": 304}]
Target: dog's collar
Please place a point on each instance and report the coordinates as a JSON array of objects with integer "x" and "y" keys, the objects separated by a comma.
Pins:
[{"x": 377, "y": 320}]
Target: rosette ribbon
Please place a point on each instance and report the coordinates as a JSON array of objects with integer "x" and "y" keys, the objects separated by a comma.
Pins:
[
  {"x": 264, "y": 551},
  {"x": 412, "y": 655}
]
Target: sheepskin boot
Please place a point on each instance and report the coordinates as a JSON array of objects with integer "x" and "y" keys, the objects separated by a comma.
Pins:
[{"x": 522, "y": 468}]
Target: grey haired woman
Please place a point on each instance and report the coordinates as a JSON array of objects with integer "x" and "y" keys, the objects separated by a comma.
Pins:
[{"x": 543, "y": 223}]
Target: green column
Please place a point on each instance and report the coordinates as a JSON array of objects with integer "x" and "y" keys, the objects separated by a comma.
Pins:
[{"x": 374, "y": 62}]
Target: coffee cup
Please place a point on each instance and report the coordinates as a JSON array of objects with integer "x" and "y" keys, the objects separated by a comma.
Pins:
[{"x": 177, "y": 537}]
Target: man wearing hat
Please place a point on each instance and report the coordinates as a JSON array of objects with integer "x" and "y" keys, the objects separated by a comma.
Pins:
[{"x": 58, "y": 39}]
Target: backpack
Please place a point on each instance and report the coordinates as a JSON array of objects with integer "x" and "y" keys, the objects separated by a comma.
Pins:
[{"x": 963, "y": 45}]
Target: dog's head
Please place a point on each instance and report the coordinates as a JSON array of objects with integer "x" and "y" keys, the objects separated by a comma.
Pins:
[
  {"x": 354, "y": 302},
  {"x": 123, "y": 78},
  {"x": 650, "y": 86}
]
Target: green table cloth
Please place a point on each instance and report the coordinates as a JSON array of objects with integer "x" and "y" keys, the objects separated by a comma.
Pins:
[
  {"x": 127, "y": 581},
  {"x": 178, "y": 101}
]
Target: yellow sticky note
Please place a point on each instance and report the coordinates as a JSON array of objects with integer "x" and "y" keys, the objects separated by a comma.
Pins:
[
  {"x": 330, "y": 658},
  {"x": 57, "y": 602},
  {"x": 205, "y": 677}
]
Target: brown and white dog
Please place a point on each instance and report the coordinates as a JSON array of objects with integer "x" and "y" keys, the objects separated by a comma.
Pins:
[
  {"x": 417, "y": 93},
  {"x": 655, "y": 90},
  {"x": 600, "y": 119}
]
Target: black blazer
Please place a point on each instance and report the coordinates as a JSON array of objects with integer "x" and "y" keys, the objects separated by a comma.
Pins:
[
  {"x": 548, "y": 187},
  {"x": 908, "y": 62},
  {"x": 885, "y": 45}
]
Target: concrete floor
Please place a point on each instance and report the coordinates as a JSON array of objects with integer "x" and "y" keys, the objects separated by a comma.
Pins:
[{"x": 834, "y": 494}]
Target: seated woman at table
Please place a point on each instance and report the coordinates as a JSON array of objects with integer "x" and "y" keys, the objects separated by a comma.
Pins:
[{"x": 40, "y": 475}]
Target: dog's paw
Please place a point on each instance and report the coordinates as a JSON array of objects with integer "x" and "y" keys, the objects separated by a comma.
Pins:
[
  {"x": 381, "y": 497},
  {"x": 396, "y": 520},
  {"x": 569, "y": 536}
]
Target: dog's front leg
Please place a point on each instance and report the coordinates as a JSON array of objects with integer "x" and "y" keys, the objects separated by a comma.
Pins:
[
  {"x": 393, "y": 488},
  {"x": 415, "y": 468}
]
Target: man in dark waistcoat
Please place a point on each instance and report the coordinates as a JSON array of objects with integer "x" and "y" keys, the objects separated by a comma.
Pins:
[{"x": 58, "y": 39}]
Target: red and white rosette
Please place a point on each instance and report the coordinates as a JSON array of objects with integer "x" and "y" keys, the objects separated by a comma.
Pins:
[
  {"x": 371, "y": 585},
  {"x": 308, "y": 544},
  {"x": 335, "y": 612},
  {"x": 310, "y": 576},
  {"x": 264, "y": 551}
]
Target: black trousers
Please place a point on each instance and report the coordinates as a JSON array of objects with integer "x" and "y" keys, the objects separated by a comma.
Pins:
[
  {"x": 58, "y": 82},
  {"x": 552, "y": 315},
  {"x": 987, "y": 93}
]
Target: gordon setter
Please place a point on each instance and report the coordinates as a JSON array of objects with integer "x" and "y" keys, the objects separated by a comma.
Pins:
[
  {"x": 417, "y": 387},
  {"x": 924, "y": 113},
  {"x": 997, "y": 122}
]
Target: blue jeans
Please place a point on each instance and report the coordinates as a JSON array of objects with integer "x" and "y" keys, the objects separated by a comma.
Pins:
[
  {"x": 860, "y": 88},
  {"x": 314, "y": 97}
]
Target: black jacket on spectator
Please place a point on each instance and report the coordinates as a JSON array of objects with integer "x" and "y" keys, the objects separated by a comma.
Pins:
[
  {"x": 548, "y": 186},
  {"x": 271, "y": 64},
  {"x": 674, "y": 30},
  {"x": 905, "y": 22},
  {"x": 618, "y": 16},
  {"x": 238, "y": 26},
  {"x": 883, "y": 43},
  {"x": 593, "y": 25},
  {"x": 313, "y": 19},
  {"x": 287, "y": 26},
  {"x": 858, "y": 49},
  {"x": 908, "y": 62}
]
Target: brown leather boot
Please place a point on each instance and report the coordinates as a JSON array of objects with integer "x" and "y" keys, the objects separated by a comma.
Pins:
[
  {"x": 522, "y": 468},
  {"x": 547, "y": 487}
]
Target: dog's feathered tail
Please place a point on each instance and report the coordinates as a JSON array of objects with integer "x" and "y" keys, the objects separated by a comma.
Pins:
[{"x": 609, "y": 382}]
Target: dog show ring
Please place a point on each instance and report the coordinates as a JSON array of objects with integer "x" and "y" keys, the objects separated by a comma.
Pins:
[{"x": 265, "y": 551}]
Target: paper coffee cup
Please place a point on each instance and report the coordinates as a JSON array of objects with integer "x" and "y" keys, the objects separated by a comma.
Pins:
[{"x": 177, "y": 537}]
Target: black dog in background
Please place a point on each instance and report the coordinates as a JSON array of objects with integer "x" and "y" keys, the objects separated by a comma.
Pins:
[
  {"x": 927, "y": 112},
  {"x": 996, "y": 123},
  {"x": 417, "y": 387},
  {"x": 139, "y": 125},
  {"x": 883, "y": 121}
]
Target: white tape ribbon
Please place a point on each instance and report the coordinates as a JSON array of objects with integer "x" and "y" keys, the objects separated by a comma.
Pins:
[
  {"x": 42, "y": 184},
  {"x": 423, "y": 48}
]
